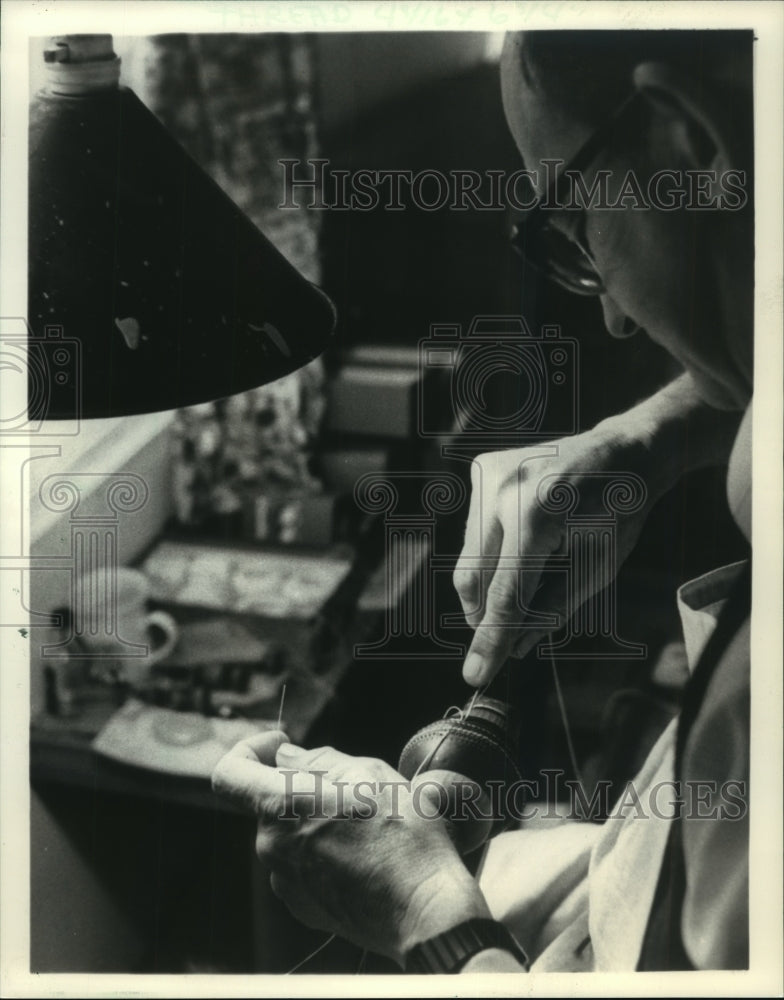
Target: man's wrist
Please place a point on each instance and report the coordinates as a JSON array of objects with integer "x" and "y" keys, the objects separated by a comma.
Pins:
[
  {"x": 441, "y": 902},
  {"x": 690, "y": 431},
  {"x": 672, "y": 432}
]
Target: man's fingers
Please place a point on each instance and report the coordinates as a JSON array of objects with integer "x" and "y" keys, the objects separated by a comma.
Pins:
[
  {"x": 466, "y": 580},
  {"x": 260, "y": 747},
  {"x": 296, "y": 782},
  {"x": 245, "y": 774},
  {"x": 498, "y": 629},
  {"x": 558, "y": 599},
  {"x": 510, "y": 595},
  {"x": 257, "y": 787},
  {"x": 273, "y": 793},
  {"x": 481, "y": 546},
  {"x": 323, "y": 758}
]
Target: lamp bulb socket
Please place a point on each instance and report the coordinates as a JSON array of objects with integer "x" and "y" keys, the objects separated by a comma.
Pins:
[{"x": 79, "y": 65}]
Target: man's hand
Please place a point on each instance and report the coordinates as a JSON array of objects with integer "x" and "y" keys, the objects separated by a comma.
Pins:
[
  {"x": 350, "y": 844},
  {"x": 511, "y": 535}
]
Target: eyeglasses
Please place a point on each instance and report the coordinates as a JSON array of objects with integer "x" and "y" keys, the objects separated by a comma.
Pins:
[{"x": 547, "y": 249}]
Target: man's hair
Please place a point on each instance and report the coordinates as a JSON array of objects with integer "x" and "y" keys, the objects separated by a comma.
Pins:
[{"x": 588, "y": 73}]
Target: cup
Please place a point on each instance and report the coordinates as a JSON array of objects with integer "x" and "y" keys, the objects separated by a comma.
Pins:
[{"x": 122, "y": 640}]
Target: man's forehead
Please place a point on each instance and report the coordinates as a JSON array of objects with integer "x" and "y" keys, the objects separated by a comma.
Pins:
[{"x": 539, "y": 127}]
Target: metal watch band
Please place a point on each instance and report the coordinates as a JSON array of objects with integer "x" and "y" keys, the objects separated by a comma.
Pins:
[{"x": 449, "y": 952}]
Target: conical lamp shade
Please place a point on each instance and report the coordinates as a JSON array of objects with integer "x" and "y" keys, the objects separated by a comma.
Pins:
[{"x": 161, "y": 289}]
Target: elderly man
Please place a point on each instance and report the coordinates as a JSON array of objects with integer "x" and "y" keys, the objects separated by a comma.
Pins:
[{"x": 653, "y": 888}]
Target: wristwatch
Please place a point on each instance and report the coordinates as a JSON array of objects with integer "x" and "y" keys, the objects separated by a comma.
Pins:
[{"x": 449, "y": 952}]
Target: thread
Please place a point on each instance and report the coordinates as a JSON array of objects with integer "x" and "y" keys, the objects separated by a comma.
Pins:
[
  {"x": 280, "y": 710},
  {"x": 471, "y": 703},
  {"x": 564, "y": 717},
  {"x": 461, "y": 715},
  {"x": 313, "y": 954},
  {"x": 485, "y": 848},
  {"x": 426, "y": 762}
]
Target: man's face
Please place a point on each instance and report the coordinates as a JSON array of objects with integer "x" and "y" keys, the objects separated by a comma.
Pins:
[{"x": 664, "y": 272}]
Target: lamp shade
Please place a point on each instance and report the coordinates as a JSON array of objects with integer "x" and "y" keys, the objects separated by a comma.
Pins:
[{"x": 144, "y": 276}]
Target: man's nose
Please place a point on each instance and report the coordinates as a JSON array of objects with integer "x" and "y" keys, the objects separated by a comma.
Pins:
[{"x": 617, "y": 322}]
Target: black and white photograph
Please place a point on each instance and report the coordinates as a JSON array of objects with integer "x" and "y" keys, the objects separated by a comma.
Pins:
[{"x": 383, "y": 386}]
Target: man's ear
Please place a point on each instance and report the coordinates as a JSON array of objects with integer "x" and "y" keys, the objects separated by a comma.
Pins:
[{"x": 693, "y": 115}]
